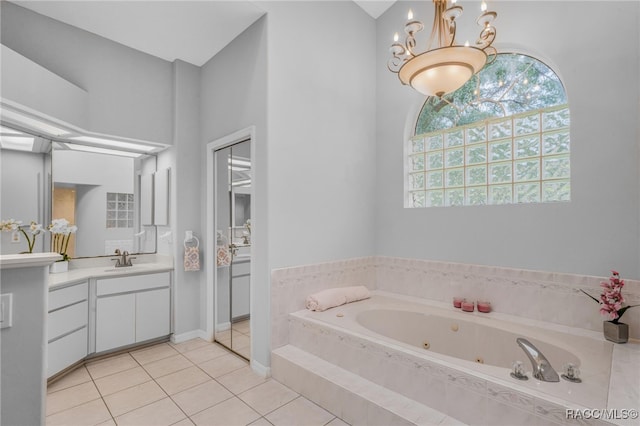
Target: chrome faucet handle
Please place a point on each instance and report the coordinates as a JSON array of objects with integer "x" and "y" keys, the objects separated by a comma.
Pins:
[
  {"x": 542, "y": 369},
  {"x": 129, "y": 261}
]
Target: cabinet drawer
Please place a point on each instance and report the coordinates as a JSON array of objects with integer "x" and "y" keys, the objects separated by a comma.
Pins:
[
  {"x": 67, "y": 319},
  {"x": 132, "y": 283},
  {"x": 68, "y": 295},
  {"x": 66, "y": 351}
]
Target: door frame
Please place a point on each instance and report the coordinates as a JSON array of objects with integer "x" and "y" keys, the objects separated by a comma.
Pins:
[{"x": 211, "y": 226}]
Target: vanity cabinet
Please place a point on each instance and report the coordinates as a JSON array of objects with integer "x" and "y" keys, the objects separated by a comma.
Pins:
[
  {"x": 67, "y": 326},
  {"x": 132, "y": 309}
]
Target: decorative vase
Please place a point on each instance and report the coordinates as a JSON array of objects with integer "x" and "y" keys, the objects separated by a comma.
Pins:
[
  {"x": 616, "y": 332},
  {"x": 57, "y": 267}
]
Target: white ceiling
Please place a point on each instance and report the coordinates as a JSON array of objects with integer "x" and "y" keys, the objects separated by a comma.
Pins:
[{"x": 167, "y": 29}]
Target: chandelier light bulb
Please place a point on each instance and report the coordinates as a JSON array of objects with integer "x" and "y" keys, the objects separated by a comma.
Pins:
[
  {"x": 410, "y": 15},
  {"x": 483, "y": 6},
  {"x": 466, "y": 43},
  {"x": 396, "y": 37}
]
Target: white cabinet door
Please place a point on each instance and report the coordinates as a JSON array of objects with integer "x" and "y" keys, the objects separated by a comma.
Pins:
[
  {"x": 115, "y": 321},
  {"x": 152, "y": 314}
]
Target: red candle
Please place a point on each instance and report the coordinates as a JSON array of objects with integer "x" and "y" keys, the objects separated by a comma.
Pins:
[
  {"x": 467, "y": 306},
  {"x": 457, "y": 302},
  {"x": 484, "y": 307}
]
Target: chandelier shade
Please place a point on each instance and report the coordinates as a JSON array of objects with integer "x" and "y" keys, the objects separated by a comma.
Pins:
[
  {"x": 444, "y": 70},
  {"x": 446, "y": 67}
]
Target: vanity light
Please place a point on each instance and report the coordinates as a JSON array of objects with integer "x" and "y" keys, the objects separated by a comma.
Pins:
[
  {"x": 112, "y": 143},
  {"x": 17, "y": 143},
  {"x": 239, "y": 164},
  {"x": 244, "y": 182},
  {"x": 97, "y": 150},
  {"x": 33, "y": 123}
]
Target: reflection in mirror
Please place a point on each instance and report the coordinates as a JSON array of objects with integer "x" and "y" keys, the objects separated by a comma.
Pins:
[
  {"x": 98, "y": 190},
  {"x": 233, "y": 223},
  {"x": 25, "y": 179}
]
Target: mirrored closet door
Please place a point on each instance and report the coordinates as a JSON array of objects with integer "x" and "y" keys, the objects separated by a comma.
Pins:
[{"x": 233, "y": 247}]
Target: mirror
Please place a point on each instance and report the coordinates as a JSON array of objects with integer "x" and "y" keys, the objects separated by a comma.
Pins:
[
  {"x": 25, "y": 179},
  {"x": 93, "y": 188},
  {"x": 233, "y": 224},
  {"x": 100, "y": 193}
]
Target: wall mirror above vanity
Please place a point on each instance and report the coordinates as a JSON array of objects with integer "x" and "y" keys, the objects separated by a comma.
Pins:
[
  {"x": 100, "y": 192},
  {"x": 110, "y": 189}
]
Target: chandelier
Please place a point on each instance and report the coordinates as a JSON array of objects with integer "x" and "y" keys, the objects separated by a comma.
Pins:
[{"x": 445, "y": 66}]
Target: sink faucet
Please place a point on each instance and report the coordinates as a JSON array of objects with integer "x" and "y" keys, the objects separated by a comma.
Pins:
[
  {"x": 123, "y": 259},
  {"x": 542, "y": 369}
]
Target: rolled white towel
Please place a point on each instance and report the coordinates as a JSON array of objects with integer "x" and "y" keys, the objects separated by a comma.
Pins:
[{"x": 332, "y": 297}]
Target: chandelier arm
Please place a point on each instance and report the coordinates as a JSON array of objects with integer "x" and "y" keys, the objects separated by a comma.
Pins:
[
  {"x": 492, "y": 54},
  {"x": 452, "y": 32},
  {"x": 486, "y": 37},
  {"x": 396, "y": 61},
  {"x": 410, "y": 43}
]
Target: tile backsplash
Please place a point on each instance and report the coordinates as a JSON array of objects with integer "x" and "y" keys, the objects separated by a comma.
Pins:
[{"x": 543, "y": 296}]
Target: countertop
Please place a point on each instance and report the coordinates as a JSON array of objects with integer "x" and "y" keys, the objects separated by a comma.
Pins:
[
  {"x": 83, "y": 270},
  {"x": 27, "y": 260}
]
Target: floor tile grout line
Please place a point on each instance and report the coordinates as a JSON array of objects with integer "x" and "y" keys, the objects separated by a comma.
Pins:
[
  {"x": 72, "y": 407},
  {"x": 214, "y": 379},
  {"x": 204, "y": 409}
]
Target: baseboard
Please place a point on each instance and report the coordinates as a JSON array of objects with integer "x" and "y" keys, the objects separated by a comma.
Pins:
[
  {"x": 193, "y": 334},
  {"x": 260, "y": 369},
  {"x": 223, "y": 326}
]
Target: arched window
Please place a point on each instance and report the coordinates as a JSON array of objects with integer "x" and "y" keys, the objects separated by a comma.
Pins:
[{"x": 501, "y": 138}]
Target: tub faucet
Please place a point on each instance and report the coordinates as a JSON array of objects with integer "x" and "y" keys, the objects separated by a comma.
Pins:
[{"x": 542, "y": 369}]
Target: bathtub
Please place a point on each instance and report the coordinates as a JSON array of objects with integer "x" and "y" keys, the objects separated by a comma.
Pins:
[{"x": 478, "y": 349}]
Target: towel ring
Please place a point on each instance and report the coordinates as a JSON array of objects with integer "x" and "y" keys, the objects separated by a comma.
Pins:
[{"x": 191, "y": 240}]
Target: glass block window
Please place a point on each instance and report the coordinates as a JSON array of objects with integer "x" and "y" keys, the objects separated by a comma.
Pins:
[
  {"x": 120, "y": 207},
  {"x": 502, "y": 138}
]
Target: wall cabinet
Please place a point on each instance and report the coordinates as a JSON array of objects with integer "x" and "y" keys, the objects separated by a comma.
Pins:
[
  {"x": 67, "y": 326},
  {"x": 132, "y": 309}
]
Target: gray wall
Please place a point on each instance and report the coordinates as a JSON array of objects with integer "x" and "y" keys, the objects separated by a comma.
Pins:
[
  {"x": 186, "y": 193},
  {"x": 321, "y": 104},
  {"x": 233, "y": 97},
  {"x": 129, "y": 92},
  {"x": 598, "y": 229}
]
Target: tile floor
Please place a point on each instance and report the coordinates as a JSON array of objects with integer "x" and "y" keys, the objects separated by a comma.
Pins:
[{"x": 193, "y": 382}]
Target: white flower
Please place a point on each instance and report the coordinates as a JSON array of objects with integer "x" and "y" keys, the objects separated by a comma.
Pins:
[
  {"x": 10, "y": 225},
  {"x": 36, "y": 228},
  {"x": 61, "y": 226}
]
